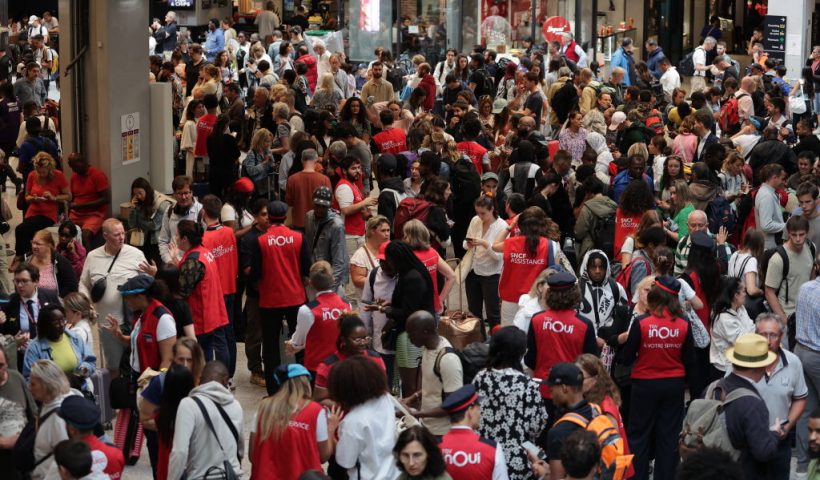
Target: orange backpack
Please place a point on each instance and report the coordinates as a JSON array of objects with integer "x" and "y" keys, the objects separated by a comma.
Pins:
[{"x": 614, "y": 462}]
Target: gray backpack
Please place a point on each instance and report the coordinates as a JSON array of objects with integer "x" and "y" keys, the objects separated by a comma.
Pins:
[{"x": 705, "y": 422}]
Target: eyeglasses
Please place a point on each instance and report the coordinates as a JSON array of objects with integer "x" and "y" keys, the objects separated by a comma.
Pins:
[
  {"x": 361, "y": 340},
  {"x": 186, "y": 193},
  {"x": 771, "y": 335},
  {"x": 21, "y": 281}
]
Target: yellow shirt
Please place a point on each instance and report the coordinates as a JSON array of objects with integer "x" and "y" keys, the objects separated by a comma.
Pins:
[{"x": 63, "y": 354}]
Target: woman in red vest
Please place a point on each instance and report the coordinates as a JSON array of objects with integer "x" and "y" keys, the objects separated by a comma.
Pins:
[
  {"x": 418, "y": 237},
  {"x": 525, "y": 256},
  {"x": 636, "y": 199},
  {"x": 291, "y": 434},
  {"x": 153, "y": 337},
  {"x": 661, "y": 346}
]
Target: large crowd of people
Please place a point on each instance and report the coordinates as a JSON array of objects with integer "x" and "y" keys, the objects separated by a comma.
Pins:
[{"x": 632, "y": 253}]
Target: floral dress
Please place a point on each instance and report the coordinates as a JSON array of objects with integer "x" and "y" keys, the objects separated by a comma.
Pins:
[{"x": 512, "y": 411}]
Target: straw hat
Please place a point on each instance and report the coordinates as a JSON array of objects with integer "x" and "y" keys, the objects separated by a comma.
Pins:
[{"x": 751, "y": 351}]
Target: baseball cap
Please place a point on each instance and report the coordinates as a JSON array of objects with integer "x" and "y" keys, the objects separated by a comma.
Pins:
[
  {"x": 489, "y": 176},
  {"x": 566, "y": 374},
  {"x": 277, "y": 210},
  {"x": 322, "y": 197},
  {"x": 136, "y": 285},
  {"x": 498, "y": 105},
  {"x": 617, "y": 119},
  {"x": 243, "y": 185}
]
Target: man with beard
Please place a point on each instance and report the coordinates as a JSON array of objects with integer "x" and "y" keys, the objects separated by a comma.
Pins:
[
  {"x": 325, "y": 234},
  {"x": 377, "y": 87},
  {"x": 814, "y": 445},
  {"x": 352, "y": 204}
]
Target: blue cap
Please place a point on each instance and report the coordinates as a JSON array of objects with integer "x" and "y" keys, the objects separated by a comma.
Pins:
[
  {"x": 136, "y": 285},
  {"x": 561, "y": 280},
  {"x": 461, "y": 399},
  {"x": 702, "y": 239},
  {"x": 566, "y": 374},
  {"x": 668, "y": 284},
  {"x": 79, "y": 412},
  {"x": 285, "y": 372}
]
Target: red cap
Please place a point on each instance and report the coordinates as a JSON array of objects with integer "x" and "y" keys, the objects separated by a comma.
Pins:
[{"x": 243, "y": 185}]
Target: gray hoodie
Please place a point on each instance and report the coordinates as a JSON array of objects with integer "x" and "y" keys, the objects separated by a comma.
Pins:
[
  {"x": 326, "y": 241},
  {"x": 195, "y": 447}
]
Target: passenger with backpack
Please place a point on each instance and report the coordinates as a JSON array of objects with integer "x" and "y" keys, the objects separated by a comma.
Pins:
[
  {"x": 787, "y": 267},
  {"x": 732, "y": 416},
  {"x": 662, "y": 349},
  {"x": 441, "y": 371},
  {"x": 595, "y": 227},
  {"x": 641, "y": 265}
]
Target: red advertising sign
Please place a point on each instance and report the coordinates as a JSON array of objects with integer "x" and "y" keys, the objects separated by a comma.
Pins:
[
  {"x": 490, "y": 8},
  {"x": 553, "y": 28}
]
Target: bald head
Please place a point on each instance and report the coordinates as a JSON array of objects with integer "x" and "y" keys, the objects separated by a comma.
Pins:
[
  {"x": 748, "y": 84},
  {"x": 697, "y": 221},
  {"x": 110, "y": 224},
  {"x": 527, "y": 121}
]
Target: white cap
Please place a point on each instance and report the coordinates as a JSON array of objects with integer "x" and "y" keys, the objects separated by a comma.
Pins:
[
  {"x": 32, "y": 19},
  {"x": 617, "y": 119}
]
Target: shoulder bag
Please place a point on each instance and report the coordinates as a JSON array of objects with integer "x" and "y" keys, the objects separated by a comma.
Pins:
[
  {"x": 99, "y": 287},
  {"x": 227, "y": 470}
]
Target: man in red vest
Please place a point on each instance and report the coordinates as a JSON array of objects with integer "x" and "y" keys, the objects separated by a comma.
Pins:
[
  {"x": 349, "y": 200},
  {"x": 81, "y": 416},
  {"x": 389, "y": 140},
  {"x": 317, "y": 327},
  {"x": 467, "y": 455},
  {"x": 221, "y": 241},
  {"x": 280, "y": 262},
  {"x": 199, "y": 283}
]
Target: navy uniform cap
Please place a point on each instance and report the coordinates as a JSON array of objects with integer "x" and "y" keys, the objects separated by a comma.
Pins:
[
  {"x": 136, "y": 285},
  {"x": 561, "y": 280},
  {"x": 461, "y": 399},
  {"x": 566, "y": 374},
  {"x": 79, "y": 412}
]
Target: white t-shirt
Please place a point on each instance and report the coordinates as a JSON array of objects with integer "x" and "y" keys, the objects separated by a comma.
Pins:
[
  {"x": 486, "y": 262},
  {"x": 736, "y": 262},
  {"x": 699, "y": 58},
  {"x": 166, "y": 328},
  {"x": 321, "y": 425},
  {"x": 366, "y": 438},
  {"x": 228, "y": 214}
]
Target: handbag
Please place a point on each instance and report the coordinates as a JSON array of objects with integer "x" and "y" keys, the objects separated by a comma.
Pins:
[
  {"x": 390, "y": 335},
  {"x": 460, "y": 327},
  {"x": 135, "y": 237},
  {"x": 699, "y": 333},
  {"x": 98, "y": 287},
  {"x": 227, "y": 470},
  {"x": 797, "y": 104}
]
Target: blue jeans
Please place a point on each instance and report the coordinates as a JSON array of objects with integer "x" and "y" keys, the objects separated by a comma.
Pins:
[
  {"x": 230, "y": 337},
  {"x": 778, "y": 468},
  {"x": 214, "y": 345}
]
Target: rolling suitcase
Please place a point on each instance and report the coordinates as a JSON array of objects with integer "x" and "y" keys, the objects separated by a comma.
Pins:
[
  {"x": 101, "y": 380},
  {"x": 128, "y": 435}
]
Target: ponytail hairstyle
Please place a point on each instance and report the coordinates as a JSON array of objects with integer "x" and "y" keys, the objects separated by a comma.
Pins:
[
  {"x": 191, "y": 231},
  {"x": 79, "y": 302},
  {"x": 664, "y": 261},
  {"x": 533, "y": 225}
]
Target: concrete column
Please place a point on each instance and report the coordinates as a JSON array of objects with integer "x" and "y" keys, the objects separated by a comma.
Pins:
[
  {"x": 798, "y": 31},
  {"x": 115, "y": 79}
]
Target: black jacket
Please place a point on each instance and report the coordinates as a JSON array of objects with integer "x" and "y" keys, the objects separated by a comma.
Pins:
[
  {"x": 747, "y": 423},
  {"x": 772, "y": 151},
  {"x": 411, "y": 295},
  {"x": 387, "y": 199},
  {"x": 710, "y": 139},
  {"x": 12, "y": 311}
]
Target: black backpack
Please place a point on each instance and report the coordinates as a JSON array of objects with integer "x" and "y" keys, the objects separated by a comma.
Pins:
[
  {"x": 781, "y": 250},
  {"x": 473, "y": 358},
  {"x": 687, "y": 65},
  {"x": 719, "y": 213},
  {"x": 603, "y": 234},
  {"x": 565, "y": 100},
  {"x": 24, "y": 446},
  {"x": 465, "y": 182},
  {"x": 487, "y": 81},
  {"x": 396, "y": 78}
]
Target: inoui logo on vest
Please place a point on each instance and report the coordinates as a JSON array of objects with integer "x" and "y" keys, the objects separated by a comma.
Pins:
[
  {"x": 331, "y": 313},
  {"x": 462, "y": 459},
  {"x": 280, "y": 241},
  {"x": 663, "y": 332},
  {"x": 558, "y": 327}
]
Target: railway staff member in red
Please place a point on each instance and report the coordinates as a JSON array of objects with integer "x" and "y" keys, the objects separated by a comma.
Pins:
[
  {"x": 525, "y": 256},
  {"x": 281, "y": 260},
  {"x": 199, "y": 283},
  {"x": 221, "y": 242},
  {"x": 660, "y": 345},
  {"x": 317, "y": 323},
  {"x": 558, "y": 334},
  {"x": 466, "y": 454}
]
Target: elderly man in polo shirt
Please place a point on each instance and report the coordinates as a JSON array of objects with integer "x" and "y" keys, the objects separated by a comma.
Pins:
[
  {"x": 784, "y": 391},
  {"x": 697, "y": 222}
]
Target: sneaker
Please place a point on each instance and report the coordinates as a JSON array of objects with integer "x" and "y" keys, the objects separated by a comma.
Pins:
[
  {"x": 801, "y": 475},
  {"x": 231, "y": 385},
  {"x": 258, "y": 379}
]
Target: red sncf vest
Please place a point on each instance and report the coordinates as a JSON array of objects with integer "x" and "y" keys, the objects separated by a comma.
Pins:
[
  {"x": 147, "y": 344},
  {"x": 660, "y": 353},
  {"x": 293, "y": 453},
  {"x": 392, "y": 140},
  {"x": 520, "y": 268},
  {"x": 559, "y": 337},
  {"x": 570, "y": 52},
  {"x": 430, "y": 258},
  {"x": 281, "y": 282},
  {"x": 207, "y": 302},
  {"x": 221, "y": 241},
  {"x": 468, "y": 456},
  {"x": 625, "y": 226},
  {"x": 321, "y": 338},
  {"x": 474, "y": 152},
  {"x": 354, "y": 223}
]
